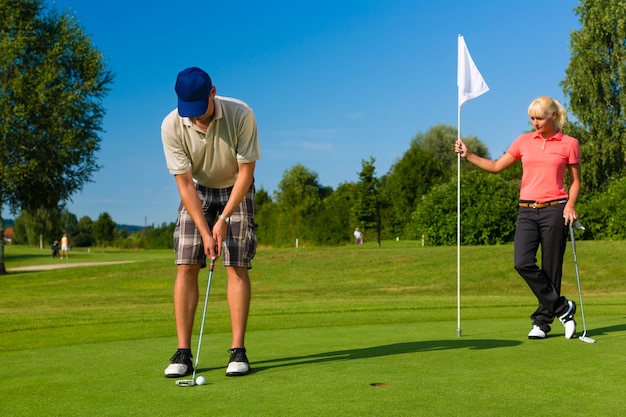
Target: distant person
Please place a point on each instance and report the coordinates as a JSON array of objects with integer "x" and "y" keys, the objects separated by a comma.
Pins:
[
  {"x": 55, "y": 249},
  {"x": 546, "y": 208},
  {"x": 65, "y": 247},
  {"x": 211, "y": 147},
  {"x": 358, "y": 237}
]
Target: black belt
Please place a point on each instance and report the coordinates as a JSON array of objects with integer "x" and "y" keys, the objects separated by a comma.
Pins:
[{"x": 537, "y": 205}]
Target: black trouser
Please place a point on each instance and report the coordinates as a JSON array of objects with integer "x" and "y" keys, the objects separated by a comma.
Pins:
[{"x": 543, "y": 227}]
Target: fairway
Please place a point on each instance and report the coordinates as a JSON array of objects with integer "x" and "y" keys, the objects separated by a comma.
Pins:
[{"x": 355, "y": 331}]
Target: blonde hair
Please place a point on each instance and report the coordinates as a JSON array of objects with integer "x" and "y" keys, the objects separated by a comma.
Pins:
[{"x": 543, "y": 106}]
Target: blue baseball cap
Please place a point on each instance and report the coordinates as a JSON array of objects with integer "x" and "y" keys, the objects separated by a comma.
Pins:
[{"x": 193, "y": 87}]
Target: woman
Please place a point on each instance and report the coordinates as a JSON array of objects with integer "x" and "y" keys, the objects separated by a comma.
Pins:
[{"x": 546, "y": 208}]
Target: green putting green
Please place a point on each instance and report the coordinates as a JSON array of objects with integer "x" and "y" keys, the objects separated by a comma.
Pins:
[{"x": 355, "y": 331}]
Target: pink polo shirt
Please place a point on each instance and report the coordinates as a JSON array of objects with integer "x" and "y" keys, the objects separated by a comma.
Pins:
[{"x": 544, "y": 162}]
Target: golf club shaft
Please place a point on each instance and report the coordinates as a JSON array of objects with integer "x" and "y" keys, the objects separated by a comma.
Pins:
[
  {"x": 580, "y": 294},
  {"x": 206, "y": 301}
]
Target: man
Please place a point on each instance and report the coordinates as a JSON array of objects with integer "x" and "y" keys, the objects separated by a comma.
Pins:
[
  {"x": 211, "y": 147},
  {"x": 65, "y": 247}
]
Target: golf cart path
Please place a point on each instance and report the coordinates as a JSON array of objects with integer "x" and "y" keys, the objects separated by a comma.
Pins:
[{"x": 64, "y": 265}]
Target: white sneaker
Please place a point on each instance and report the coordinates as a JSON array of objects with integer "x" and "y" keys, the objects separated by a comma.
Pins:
[
  {"x": 536, "y": 333},
  {"x": 568, "y": 321}
]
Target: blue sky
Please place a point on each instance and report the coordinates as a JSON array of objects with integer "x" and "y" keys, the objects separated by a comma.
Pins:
[{"x": 331, "y": 82}]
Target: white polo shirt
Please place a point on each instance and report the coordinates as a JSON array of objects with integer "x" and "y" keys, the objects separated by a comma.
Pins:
[{"x": 212, "y": 157}]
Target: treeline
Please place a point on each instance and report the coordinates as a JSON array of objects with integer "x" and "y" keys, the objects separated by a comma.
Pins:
[
  {"x": 415, "y": 200},
  {"x": 44, "y": 227}
]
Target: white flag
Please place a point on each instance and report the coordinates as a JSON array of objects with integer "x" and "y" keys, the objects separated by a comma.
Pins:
[{"x": 469, "y": 80}]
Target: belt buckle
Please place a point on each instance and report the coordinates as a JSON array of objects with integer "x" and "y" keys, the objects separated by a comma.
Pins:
[{"x": 534, "y": 205}]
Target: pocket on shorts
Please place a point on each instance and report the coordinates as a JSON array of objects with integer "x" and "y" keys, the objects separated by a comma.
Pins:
[{"x": 251, "y": 239}]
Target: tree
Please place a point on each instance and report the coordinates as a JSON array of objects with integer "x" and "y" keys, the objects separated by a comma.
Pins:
[
  {"x": 299, "y": 198},
  {"x": 429, "y": 162},
  {"x": 603, "y": 213},
  {"x": 595, "y": 81},
  {"x": 261, "y": 198},
  {"x": 161, "y": 237},
  {"x": 265, "y": 215},
  {"x": 52, "y": 82},
  {"x": 104, "y": 229},
  {"x": 69, "y": 222},
  {"x": 44, "y": 225},
  {"x": 366, "y": 208},
  {"x": 409, "y": 180},
  {"x": 83, "y": 236},
  {"x": 481, "y": 223},
  {"x": 39, "y": 227},
  {"x": 439, "y": 142},
  {"x": 332, "y": 223}
]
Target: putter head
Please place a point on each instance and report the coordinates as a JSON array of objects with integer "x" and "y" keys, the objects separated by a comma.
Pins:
[
  {"x": 185, "y": 383},
  {"x": 587, "y": 339}
]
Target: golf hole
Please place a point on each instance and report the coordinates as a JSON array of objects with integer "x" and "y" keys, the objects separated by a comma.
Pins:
[{"x": 380, "y": 384}]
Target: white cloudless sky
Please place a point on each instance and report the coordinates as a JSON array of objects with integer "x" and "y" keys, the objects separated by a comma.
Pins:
[{"x": 332, "y": 83}]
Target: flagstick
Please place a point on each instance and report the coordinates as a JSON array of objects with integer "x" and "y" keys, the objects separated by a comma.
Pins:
[
  {"x": 470, "y": 85},
  {"x": 458, "y": 231}
]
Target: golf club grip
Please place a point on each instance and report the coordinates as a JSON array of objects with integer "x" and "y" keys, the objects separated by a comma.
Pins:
[{"x": 212, "y": 265}]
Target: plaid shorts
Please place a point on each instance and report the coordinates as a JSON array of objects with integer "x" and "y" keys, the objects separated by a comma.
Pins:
[{"x": 240, "y": 245}]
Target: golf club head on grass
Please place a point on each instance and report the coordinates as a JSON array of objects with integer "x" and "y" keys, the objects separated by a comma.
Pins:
[
  {"x": 185, "y": 383},
  {"x": 587, "y": 339}
]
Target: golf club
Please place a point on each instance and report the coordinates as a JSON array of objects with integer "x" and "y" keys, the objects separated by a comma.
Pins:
[
  {"x": 191, "y": 382},
  {"x": 579, "y": 226}
]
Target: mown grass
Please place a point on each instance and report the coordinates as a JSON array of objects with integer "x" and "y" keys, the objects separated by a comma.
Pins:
[{"x": 326, "y": 324}]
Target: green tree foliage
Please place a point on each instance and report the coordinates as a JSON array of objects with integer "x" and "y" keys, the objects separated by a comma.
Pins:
[
  {"x": 52, "y": 82},
  {"x": 488, "y": 211},
  {"x": 331, "y": 225},
  {"x": 303, "y": 209},
  {"x": 104, "y": 229},
  {"x": 594, "y": 83},
  {"x": 410, "y": 179},
  {"x": 262, "y": 198},
  {"x": 47, "y": 225},
  {"x": 366, "y": 207},
  {"x": 266, "y": 217},
  {"x": 160, "y": 237},
  {"x": 40, "y": 226},
  {"x": 603, "y": 213},
  {"x": 69, "y": 222},
  {"x": 83, "y": 234},
  {"x": 439, "y": 142},
  {"x": 316, "y": 215},
  {"x": 299, "y": 198}
]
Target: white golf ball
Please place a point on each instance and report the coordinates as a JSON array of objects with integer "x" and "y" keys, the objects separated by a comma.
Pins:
[{"x": 200, "y": 380}]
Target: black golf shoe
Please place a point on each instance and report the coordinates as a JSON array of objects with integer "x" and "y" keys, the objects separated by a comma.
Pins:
[{"x": 238, "y": 364}]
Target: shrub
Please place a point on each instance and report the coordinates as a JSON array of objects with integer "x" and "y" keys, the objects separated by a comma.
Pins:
[{"x": 488, "y": 212}]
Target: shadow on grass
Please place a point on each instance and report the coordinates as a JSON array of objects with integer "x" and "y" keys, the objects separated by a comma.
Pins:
[
  {"x": 606, "y": 330},
  {"x": 384, "y": 350}
]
